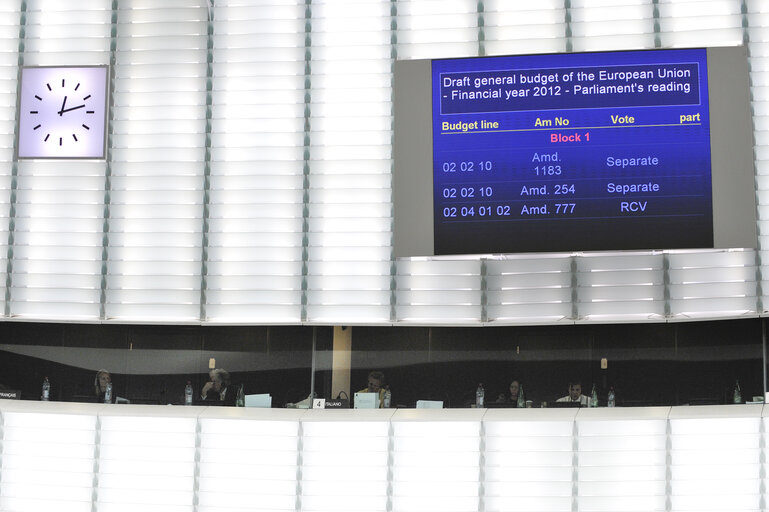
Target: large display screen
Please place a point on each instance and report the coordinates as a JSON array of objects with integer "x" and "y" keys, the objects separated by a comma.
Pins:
[{"x": 565, "y": 152}]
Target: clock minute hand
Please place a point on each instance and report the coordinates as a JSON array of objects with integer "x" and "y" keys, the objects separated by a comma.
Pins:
[{"x": 70, "y": 109}]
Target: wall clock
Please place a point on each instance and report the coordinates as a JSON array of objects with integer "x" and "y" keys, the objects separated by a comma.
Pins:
[{"x": 63, "y": 112}]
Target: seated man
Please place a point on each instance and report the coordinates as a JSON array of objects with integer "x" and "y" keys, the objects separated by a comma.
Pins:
[
  {"x": 376, "y": 384},
  {"x": 575, "y": 394},
  {"x": 219, "y": 388}
]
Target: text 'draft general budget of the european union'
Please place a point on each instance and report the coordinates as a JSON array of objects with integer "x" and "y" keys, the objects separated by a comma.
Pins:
[
  {"x": 583, "y": 156},
  {"x": 570, "y": 88}
]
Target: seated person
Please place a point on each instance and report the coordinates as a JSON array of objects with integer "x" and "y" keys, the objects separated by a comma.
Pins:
[
  {"x": 575, "y": 394},
  {"x": 512, "y": 398},
  {"x": 376, "y": 384},
  {"x": 219, "y": 388},
  {"x": 103, "y": 377}
]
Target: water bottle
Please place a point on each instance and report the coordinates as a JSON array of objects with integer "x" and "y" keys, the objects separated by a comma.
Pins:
[
  {"x": 479, "y": 394},
  {"x": 188, "y": 393},
  {"x": 108, "y": 393},
  {"x": 611, "y": 399},
  {"x": 387, "y": 400},
  {"x": 594, "y": 397},
  {"x": 46, "y": 393},
  {"x": 737, "y": 393},
  {"x": 240, "y": 398},
  {"x": 521, "y": 399}
]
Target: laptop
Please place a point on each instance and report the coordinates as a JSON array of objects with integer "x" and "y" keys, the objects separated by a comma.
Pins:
[{"x": 366, "y": 401}]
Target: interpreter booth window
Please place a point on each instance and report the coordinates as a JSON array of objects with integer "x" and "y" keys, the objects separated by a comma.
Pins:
[
  {"x": 662, "y": 364},
  {"x": 153, "y": 364}
]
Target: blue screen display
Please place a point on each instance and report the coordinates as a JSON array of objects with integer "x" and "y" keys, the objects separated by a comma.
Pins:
[{"x": 593, "y": 151}]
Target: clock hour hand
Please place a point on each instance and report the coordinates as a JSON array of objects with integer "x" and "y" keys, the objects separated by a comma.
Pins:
[
  {"x": 62, "y": 106},
  {"x": 70, "y": 109}
]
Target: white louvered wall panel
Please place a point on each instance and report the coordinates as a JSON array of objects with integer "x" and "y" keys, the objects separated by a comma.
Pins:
[
  {"x": 529, "y": 289},
  {"x": 622, "y": 464},
  {"x": 283, "y": 247},
  {"x": 628, "y": 287},
  {"x": 254, "y": 271},
  {"x": 59, "y": 212},
  {"x": 712, "y": 284},
  {"x": 436, "y": 464},
  {"x": 758, "y": 54},
  {"x": 147, "y": 460},
  {"x": 48, "y": 459},
  {"x": 431, "y": 29},
  {"x": 345, "y": 464},
  {"x": 155, "y": 228},
  {"x": 262, "y": 453},
  {"x": 10, "y": 17},
  {"x": 525, "y": 26},
  {"x": 439, "y": 291},
  {"x": 349, "y": 234},
  {"x": 699, "y": 23},
  {"x": 715, "y": 462},
  {"x": 611, "y": 24},
  {"x": 529, "y": 460}
]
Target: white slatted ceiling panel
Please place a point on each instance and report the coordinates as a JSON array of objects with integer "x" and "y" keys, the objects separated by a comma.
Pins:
[
  {"x": 525, "y": 289},
  {"x": 146, "y": 460},
  {"x": 436, "y": 465},
  {"x": 524, "y": 26},
  {"x": 628, "y": 287},
  {"x": 255, "y": 221},
  {"x": 438, "y": 291},
  {"x": 350, "y": 221},
  {"x": 712, "y": 284},
  {"x": 700, "y": 23},
  {"x": 622, "y": 459},
  {"x": 528, "y": 460},
  {"x": 48, "y": 461},
  {"x": 10, "y": 16},
  {"x": 345, "y": 463},
  {"x": 611, "y": 24},
  {"x": 158, "y": 161},
  {"x": 715, "y": 463},
  {"x": 262, "y": 457},
  {"x": 758, "y": 51},
  {"x": 429, "y": 29},
  {"x": 59, "y": 204}
]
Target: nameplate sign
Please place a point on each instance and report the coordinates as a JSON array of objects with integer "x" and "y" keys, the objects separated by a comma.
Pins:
[
  {"x": 10, "y": 394},
  {"x": 339, "y": 403}
]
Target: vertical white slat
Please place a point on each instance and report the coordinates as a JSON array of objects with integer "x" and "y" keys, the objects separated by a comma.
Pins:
[
  {"x": 259, "y": 448},
  {"x": 349, "y": 233},
  {"x": 758, "y": 59},
  {"x": 529, "y": 289},
  {"x": 59, "y": 211},
  {"x": 525, "y": 26},
  {"x": 611, "y": 24},
  {"x": 438, "y": 291},
  {"x": 158, "y": 155},
  {"x": 254, "y": 271},
  {"x": 628, "y": 287},
  {"x": 437, "y": 28},
  {"x": 693, "y": 23},
  {"x": 10, "y": 18},
  {"x": 48, "y": 459}
]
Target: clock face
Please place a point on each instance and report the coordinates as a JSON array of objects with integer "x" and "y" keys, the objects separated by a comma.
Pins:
[{"x": 62, "y": 112}]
